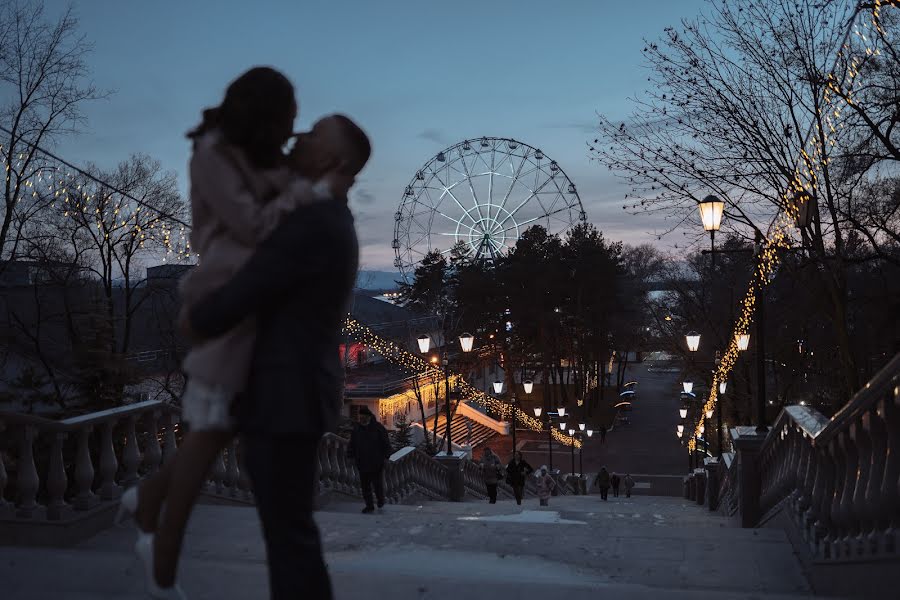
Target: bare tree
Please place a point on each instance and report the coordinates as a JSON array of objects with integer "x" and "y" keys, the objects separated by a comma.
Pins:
[
  {"x": 43, "y": 87},
  {"x": 742, "y": 104}
]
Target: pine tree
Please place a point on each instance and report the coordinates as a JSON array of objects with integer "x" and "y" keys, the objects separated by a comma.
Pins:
[{"x": 403, "y": 433}]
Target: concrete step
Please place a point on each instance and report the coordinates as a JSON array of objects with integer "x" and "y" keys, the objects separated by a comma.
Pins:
[{"x": 646, "y": 547}]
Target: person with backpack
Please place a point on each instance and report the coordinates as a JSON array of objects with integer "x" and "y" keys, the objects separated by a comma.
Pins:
[{"x": 614, "y": 481}]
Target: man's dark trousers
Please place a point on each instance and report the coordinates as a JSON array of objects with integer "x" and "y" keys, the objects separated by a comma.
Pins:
[
  {"x": 282, "y": 469},
  {"x": 367, "y": 481}
]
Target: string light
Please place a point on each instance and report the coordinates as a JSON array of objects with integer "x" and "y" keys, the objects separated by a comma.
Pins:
[{"x": 395, "y": 354}]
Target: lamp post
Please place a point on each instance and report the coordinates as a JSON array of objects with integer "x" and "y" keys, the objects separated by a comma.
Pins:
[
  {"x": 711, "y": 211},
  {"x": 466, "y": 340},
  {"x": 722, "y": 386},
  {"x": 572, "y": 435}
]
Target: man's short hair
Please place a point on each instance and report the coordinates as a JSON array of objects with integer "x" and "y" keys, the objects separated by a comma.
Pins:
[{"x": 359, "y": 146}]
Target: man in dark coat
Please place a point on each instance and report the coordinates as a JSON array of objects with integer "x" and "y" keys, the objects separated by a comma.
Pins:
[
  {"x": 516, "y": 473},
  {"x": 370, "y": 447},
  {"x": 298, "y": 285}
]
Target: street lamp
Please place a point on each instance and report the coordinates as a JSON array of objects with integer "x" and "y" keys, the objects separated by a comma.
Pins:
[
  {"x": 687, "y": 386},
  {"x": 537, "y": 411},
  {"x": 682, "y": 412},
  {"x": 465, "y": 341},
  {"x": 590, "y": 432},
  {"x": 711, "y": 211},
  {"x": 572, "y": 435},
  {"x": 743, "y": 341},
  {"x": 562, "y": 425},
  {"x": 581, "y": 426},
  {"x": 693, "y": 341},
  {"x": 528, "y": 385},
  {"x": 561, "y": 411},
  {"x": 722, "y": 386},
  {"x": 709, "y": 414},
  {"x": 498, "y": 387},
  {"x": 424, "y": 343}
]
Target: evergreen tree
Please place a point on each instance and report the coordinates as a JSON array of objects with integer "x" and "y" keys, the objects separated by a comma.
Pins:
[{"x": 402, "y": 436}]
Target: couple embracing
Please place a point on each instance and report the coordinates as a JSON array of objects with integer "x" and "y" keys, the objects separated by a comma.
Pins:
[{"x": 263, "y": 309}]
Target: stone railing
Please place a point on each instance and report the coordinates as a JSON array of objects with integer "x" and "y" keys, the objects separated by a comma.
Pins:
[
  {"x": 473, "y": 481},
  {"x": 409, "y": 471},
  {"x": 62, "y": 469},
  {"x": 837, "y": 479}
]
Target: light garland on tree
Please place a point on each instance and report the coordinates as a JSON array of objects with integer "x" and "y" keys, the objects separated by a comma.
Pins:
[
  {"x": 804, "y": 181},
  {"x": 110, "y": 212},
  {"x": 396, "y": 354}
]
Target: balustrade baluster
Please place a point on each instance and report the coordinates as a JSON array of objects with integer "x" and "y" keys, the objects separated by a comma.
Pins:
[
  {"x": 851, "y": 467},
  {"x": 217, "y": 474},
  {"x": 825, "y": 484},
  {"x": 152, "y": 450},
  {"x": 878, "y": 516},
  {"x": 860, "y": 511},
  {"x": 27, "y": 481},
  {"x": 57, "y": 508},
  {"x": 232, "y": 470},
  {"x": 889, "y": 410},
  {"x": 326, "y": 469},
  {"x": 831, "y": 543},
  {"x": 85, "y": 498},
  {"x": 131, "y": 454},
  {"x": 109, "y": 490}
]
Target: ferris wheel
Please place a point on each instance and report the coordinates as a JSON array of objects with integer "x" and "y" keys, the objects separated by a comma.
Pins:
[{"x": 484, "y": 192}]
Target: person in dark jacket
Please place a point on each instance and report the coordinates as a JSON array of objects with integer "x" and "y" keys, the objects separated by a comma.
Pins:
[
  {"x": 614, "y": 481},
  {"x": 370, "y": 447},
  {"x": 603, "y": 482},
  {"x": 516, "y": 472},
  {"x": 491, "y": 470}
]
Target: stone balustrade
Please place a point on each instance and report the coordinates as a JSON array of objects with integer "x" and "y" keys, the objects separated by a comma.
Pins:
[
  {"x": 838, "y": 479},
  {"x": 53, "y": 470},
  {"x": 64, "y": 468}
]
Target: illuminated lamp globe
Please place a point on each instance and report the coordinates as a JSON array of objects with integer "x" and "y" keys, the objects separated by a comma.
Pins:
[
  {"x": 528, "y": 385},
  {"x": 743, "y": 341},
  {"x": 466, "y": 341},
  {"x": 693, "y": 341},
  {"x": 687, "y": 386},
  {"x": 424, "y": 343},
  {"x": 711, "y": 210}
]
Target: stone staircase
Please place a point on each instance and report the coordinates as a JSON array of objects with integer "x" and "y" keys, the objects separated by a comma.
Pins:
[
  {"x": 459, "y": 432},
  {"x": 579, "y": 546}
]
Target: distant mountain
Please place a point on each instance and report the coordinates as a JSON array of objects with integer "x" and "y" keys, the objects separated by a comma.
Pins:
[{"x": 377, "y": 280}]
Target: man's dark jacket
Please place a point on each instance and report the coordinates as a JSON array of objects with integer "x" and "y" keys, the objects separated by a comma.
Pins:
[
  {"x": 298, "y": 283},
  {"x": 370, "y": 446}
]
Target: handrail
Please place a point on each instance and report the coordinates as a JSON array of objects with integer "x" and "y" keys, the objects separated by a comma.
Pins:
[{"x": 838, "y": 479}]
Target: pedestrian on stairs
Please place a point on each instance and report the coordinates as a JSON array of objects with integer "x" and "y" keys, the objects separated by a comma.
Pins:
[
  {"x": 629, "y": 483},
  {"x": 370, "y": 447},
  {"x": 492, "y": 470},
  {"x": 545, "y": 486},
  {"x": 603, "y": 482},
  {"x": 516, "y": 472},
  {"x": 602, "y": 434},
  {"x": 614, "y": 481}
]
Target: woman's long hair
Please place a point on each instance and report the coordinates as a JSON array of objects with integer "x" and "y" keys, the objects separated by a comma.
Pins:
[{"x": 256, "y": 115}]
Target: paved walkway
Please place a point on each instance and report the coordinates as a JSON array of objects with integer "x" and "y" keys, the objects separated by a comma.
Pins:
[
  {"x": 646, "y": 447},
  {"x": 578, "y": 547}
]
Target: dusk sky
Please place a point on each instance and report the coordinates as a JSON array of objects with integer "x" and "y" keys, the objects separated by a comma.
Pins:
[{"x": 418, "y": 76}]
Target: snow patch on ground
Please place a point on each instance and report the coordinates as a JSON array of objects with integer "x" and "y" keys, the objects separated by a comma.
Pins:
[{"x": 527, "y": 516}]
